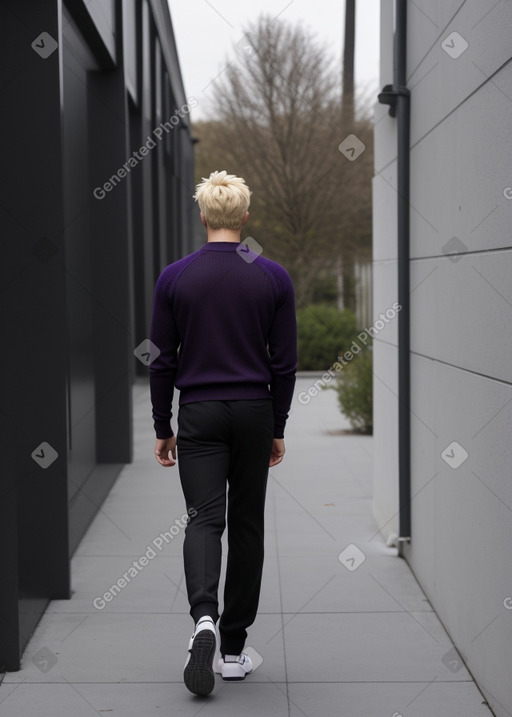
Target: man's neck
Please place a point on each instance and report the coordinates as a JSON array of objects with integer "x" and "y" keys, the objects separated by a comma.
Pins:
[{"x": 232, "y": 235}]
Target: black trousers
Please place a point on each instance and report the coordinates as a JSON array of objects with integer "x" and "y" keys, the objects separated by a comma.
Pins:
[{"x": 225, "y": 444}]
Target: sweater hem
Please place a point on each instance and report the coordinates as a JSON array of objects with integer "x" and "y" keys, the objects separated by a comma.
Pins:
[{"x": 223, "y": 392}]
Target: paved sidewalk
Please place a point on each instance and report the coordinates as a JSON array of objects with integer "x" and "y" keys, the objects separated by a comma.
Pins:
[{"x": 362, "y": 642}]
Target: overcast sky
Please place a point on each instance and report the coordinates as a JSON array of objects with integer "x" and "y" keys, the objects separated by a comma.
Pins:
[{"x": 207, "y": 30}]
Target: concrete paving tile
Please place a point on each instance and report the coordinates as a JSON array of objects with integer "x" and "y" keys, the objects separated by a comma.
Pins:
[
  {"x": 107, "y": 647},
  {"x": 130, "y": 647},
  {"x": 398, "y": 699},
  {"x": 127, "y": 536},
  {"x": 307, "y": 534},
  {"x": 50, "y": 700},
  {"x": 136, "y": 700},
  {"x": 159, "y": 587},
  {"x": 226, "y": 700},
  {"x": 321, "y": 503},
  {"x": 370, "y": 647},
  {"x": 369, "y": 588}
]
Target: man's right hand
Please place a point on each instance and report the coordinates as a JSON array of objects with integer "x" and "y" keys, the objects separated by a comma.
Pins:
[
  {"x": 277, "y": 453},
  {"x": 163, "y": 447}
]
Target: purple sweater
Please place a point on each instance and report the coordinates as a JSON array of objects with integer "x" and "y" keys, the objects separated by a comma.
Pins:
[{"x": 232, "y": 316}]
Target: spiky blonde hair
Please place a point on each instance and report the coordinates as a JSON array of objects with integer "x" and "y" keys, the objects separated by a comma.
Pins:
[{"x": 224, "y": 199}]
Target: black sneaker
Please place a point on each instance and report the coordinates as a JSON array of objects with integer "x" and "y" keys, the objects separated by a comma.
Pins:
[{"x": 198, "y": 674}]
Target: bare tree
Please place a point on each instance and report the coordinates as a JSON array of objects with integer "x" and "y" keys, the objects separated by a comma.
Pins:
[{"x": 277, "y": 123}]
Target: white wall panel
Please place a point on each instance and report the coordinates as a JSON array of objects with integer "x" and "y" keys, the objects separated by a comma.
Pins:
[
  {"x": 461, "y": 174},
  {"x": 441, "y": 82},
  {"x": 461, "y": 516},
  {"x": 385, "y": 438},
  {"x": 461, "y": 311},
  {"x": 384, "y": 214}
]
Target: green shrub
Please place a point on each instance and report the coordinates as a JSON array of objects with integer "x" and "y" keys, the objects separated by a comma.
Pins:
[
  {"x": 324, "y": 332},
  {"x": 324, "y": 290},
  {"x": 354, "y": 388}
]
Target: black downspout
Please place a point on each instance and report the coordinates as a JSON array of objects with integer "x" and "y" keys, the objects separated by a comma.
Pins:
[{"x": 398, "y": 97}]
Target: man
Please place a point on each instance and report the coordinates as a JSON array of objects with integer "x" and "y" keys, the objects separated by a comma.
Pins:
[{"x": 231, "y": 314}]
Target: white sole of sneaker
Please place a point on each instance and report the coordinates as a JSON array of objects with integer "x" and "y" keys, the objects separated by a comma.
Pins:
[{"x": 233, "y": 672}]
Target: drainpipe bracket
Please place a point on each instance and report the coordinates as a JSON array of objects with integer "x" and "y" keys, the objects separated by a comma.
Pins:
[{"x": 390, "y": 94}]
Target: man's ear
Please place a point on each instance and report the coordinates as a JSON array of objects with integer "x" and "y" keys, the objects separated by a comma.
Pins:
[
  {"x": 244, "y": 220},
  {"x": 203, "y": 220}
]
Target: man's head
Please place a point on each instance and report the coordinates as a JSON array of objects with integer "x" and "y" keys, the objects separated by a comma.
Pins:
[{"x": 223, "y": 200}]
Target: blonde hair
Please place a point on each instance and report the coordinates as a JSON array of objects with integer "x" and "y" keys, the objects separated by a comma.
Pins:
[{"x": 223, "y": 199}]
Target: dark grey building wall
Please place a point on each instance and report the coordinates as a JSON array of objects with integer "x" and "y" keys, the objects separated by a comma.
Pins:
[{"x": 78, "y": 269}]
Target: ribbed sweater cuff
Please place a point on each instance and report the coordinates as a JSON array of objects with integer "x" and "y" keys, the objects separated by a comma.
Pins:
[{"x": 163, "y": 431}]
